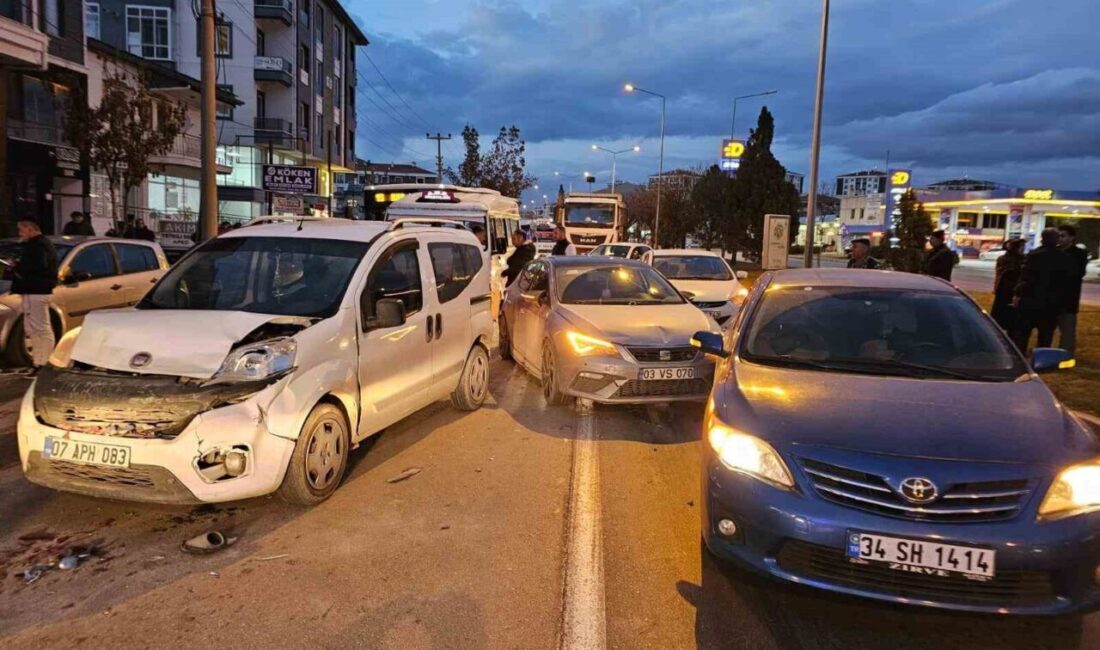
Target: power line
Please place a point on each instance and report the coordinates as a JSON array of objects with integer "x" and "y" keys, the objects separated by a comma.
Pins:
[{"x": 394, "y": 90}]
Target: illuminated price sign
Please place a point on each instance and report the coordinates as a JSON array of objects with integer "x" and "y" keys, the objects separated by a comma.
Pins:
[
  {"x": 732, "y": 150},
  {"x": 900, "y": 182}
]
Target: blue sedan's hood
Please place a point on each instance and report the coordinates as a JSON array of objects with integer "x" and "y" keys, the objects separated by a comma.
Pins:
[{"x": 1018, "y": 422}]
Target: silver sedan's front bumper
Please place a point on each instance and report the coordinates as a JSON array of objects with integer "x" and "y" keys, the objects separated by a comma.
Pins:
[{"x": 618, "y": 380}]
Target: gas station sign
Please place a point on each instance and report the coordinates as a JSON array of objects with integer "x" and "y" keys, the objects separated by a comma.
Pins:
[{"x": 732, "y": 151}]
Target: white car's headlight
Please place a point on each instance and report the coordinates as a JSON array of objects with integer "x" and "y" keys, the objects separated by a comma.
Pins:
[
  {"x": 62, "y": 355},
  {"x": 1076, "y": 488},
  {"x": 258, "y": 361},
  {"x": 749, "y": 454}
]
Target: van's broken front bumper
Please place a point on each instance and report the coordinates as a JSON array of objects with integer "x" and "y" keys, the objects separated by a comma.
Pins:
[{"x": 150, "y": 438}]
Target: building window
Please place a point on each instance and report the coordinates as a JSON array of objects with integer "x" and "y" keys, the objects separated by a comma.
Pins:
[
  {"x": 51, "y": 17},
  {"x": 223, "y": 40},
  {"x": 149, "y": 32},
  {"x": 320, "y": 29},
  {"x": 261, "y": 44},
  {"x": 303, "y": 120},
  {"x": 351, "y": 146},
  {"x": 321, "y": 130},
  {"x": 319, "y": 80},
  {"x": 225, "y": 111},
  {"x": 995, "y": 221},
  {"x": 91, "y": 19},
  {"x": 261, "y": 104}
]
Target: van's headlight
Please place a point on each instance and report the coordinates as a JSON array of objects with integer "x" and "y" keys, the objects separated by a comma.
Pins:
[
  {"x": 258, "y": 361},
  {"x": 749, "y": 454},
  {"x": 62, "y": 355},
  {"x": 584, "y": 345},
  {"x": 1076, "y": 488}
]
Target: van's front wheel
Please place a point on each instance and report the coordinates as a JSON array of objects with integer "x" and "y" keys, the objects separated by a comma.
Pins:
[
  {"x": 473, "y": 387},
  {"x": 320, "y": 457}
]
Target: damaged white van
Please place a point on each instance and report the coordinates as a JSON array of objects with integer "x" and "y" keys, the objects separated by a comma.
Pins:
[{"x": 259, "y": 360}]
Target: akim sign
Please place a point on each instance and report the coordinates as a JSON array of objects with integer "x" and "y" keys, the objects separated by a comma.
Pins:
[
  {"x": 290, "y": 179},
  {"x": 732, "y": 151}
]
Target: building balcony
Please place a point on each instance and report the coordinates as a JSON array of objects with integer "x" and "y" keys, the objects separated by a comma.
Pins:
[
  {"x": 281, "y": 10},
  {"x": 274, "y": 131},
  {"x": 275, "y": 69},
  {"x": 38, "y": 132},
  {"x": 20, "y": 43},
  {"x": 186, "y": 151}
]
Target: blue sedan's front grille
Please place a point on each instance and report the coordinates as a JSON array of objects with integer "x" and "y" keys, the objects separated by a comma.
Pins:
[{"x": 959, "y": 502}]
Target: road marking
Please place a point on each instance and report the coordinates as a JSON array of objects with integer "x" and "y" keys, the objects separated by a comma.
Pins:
[
  {"x": 1088, "y": 418},
  {"x": 583, "y": 622}
]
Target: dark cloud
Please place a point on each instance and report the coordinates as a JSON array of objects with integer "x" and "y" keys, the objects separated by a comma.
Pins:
[{"x": 1005, "y": 87}]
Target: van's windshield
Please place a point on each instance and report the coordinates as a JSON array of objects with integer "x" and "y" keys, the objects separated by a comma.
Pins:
[{"x": 284, "y": 276}]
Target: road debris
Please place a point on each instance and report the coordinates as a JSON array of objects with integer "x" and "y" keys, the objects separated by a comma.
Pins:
[
  {"x": 207, "y": 543},
  {"x": 405, "y": 474},
  {"x": 35, "y": 572},
  {"x": 271, "y": 557}
]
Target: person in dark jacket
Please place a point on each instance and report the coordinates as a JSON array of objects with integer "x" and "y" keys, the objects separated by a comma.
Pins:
[
  {"x": 1041, "y": 291},
  {"x": 78, "y": 226},
  {"x": 34, "y": 277},
  {"x": 524, "y": 253},
  {"x": 1005, "y": 278},
  {"x": 141, "y": 231},
  {"x": 861, "y": 255},
  {"x": 562, "y": 245},
  {"x": 1067, "y": 320},
  {"x": 940, "y": 260}
]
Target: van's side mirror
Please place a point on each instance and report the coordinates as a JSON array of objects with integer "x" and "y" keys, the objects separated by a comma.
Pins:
[
  {"x": 1050, "y": 359},
  {"x": 710, "y": 343},
  {"x": 742, "y": 275},
  {"x": 389, "y": 312}
]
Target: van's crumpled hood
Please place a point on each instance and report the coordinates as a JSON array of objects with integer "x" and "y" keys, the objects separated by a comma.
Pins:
[
  {"x": 187, "y": 343},
  {"x": 708, "y": 290},
  {"x": 643, "y": 325}
]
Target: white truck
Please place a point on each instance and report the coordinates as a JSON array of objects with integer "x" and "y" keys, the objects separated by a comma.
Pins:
[{"x": 591, "y": 219}]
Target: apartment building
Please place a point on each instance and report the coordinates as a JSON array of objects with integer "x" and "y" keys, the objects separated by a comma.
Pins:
[
  {"x": 41, "y": 65},
  {"x": 291, "y": 63},
  {"x": 861, "y": 183}
]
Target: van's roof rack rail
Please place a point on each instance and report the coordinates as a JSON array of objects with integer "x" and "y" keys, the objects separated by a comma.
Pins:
[{"x": 401, "y": 222}]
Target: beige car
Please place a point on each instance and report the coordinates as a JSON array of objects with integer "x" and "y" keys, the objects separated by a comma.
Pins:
[{"x": 93, "y": 273}]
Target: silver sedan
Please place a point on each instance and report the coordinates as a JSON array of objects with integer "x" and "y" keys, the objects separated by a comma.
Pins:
[{"x": 604, "y": 329}]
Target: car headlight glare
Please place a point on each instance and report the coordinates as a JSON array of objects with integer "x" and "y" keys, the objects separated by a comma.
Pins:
[
  {"x": 749, "y": 454},
  {"x": 258, "y": 361},
  {"x": 584, "y": 345},
  {"x": 62, "y": 355},
  {"x": 1076, "y": 488}
]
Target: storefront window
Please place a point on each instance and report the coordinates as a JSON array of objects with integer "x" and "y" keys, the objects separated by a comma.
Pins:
[{"x": 967, "y": 220}]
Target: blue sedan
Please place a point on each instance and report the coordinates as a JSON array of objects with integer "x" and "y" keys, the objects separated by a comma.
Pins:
[{"x": 875, "y": 434}]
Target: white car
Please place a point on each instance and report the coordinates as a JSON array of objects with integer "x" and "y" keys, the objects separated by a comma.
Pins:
[
  {"x": 623, "y": 250},
  {"x": 991, "y": 255},
  {"x": 259, "y": 360},
  {"x": 705, "y": 279}
]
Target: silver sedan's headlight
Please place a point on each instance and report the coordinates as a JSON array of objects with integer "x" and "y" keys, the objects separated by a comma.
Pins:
[
  {"x": 258, "y": 361},
  {"x": 1075, "y": 488}
]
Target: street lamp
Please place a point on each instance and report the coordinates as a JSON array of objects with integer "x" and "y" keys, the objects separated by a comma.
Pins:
[
  {"x": 815, "y": 145},
  {"x": 570, "y": 177},
  {"x": 614, "y": 159},
  {"x": 733, "y": 123},
  {"x": 631, "y": 88}
]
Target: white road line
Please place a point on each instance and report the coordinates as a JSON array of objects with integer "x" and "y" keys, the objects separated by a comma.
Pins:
[
  {"x": 1088, "y": 418},
  {"x": 583, "y": 622}
]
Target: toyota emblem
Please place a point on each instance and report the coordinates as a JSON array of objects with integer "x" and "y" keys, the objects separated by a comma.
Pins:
[
  {"x": 140, "y": 360},
  {"x": 919, "y": 490}
]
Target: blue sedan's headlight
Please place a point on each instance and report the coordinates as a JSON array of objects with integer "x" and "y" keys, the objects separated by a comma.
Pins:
[
  {"x": 749, "y": 454},
  {"x": 1076, "y": 488}
]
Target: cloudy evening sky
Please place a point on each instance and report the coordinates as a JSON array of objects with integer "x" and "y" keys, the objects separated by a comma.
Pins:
[{"x": 1005, "y": 90}]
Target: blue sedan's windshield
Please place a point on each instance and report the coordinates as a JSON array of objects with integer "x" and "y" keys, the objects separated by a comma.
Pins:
[{"x": 887, "y": 331}]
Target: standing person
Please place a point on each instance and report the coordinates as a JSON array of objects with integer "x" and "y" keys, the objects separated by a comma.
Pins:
[
  {"x": 1005, "y": 278},
  {"x": 940, "y": 260},
  {"x": 861, "y": 255},
  {"x": 524, "y": 253},
  {"x": 1067, "y": 320},
  {"x": 1040, "y": 293},
  {"x": 562, "y": 245},
  {"x": 127, "y": 230},
  {"x": 141, "y": 231},
  {"x": 479, "y": 232},
  {"x": 78, "y": 225},
  {"x": 34, "y": 277}
]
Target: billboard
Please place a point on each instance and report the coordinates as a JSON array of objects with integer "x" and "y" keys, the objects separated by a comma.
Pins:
[
  {"x": 777, "y": 241},
  {"x": 290, "y": 179},
  {"x": 898, "y": 183},
  {"x": 732, "y": 151}
]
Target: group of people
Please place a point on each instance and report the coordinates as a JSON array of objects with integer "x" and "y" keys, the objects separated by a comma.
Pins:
[
  {"x": 525, "y": 251},
  {"x": 1041, "y": 290},
  {"x": 939, "y": 260},
  {"x": 132, "y": 228}
]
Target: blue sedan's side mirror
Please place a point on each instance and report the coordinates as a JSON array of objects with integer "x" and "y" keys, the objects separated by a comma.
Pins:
[
  {"x": 710, "y": 343},
  {"x": 1049, "y": 359}
]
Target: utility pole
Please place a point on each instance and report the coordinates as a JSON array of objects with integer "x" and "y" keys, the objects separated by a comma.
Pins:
[
  {"x": 208, "y": 178},
  {"x": 439, "y": 138},
  {"x": 815, "y": 144},
  {"x": 331, "y": 181}
]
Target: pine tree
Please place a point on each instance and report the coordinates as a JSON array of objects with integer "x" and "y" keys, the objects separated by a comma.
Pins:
[
  {"x": 912, "y": 230},
  {"x": 760, "y": 188},
  {"x": 711, "y": 202}
]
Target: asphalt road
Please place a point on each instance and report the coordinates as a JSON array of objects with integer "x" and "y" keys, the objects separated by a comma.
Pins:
[
  {"x": 976, "y": 275},
  {"x": 527, "y": 527}
]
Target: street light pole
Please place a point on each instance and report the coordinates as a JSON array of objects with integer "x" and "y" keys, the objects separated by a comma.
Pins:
[
  {"x": 661, "y": 158},
  {"x": 208, "y": 175},
  {"x": 614, "y": 159},
  {"x": 733, "y": 123},
  {"x": 815, "y": 145}
]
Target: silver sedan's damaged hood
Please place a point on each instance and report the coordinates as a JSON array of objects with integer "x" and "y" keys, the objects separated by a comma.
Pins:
[
  {"x": 186, "y": 343},
  {"x": 639, "y": 324}
]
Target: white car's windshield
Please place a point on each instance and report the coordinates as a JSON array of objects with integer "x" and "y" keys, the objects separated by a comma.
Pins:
[
  {"x": 881, "y": 331},
  {"x": 269, "y": 275},
  {"x": 692, "y": 267},
  {"x": 613, "y": 285}
]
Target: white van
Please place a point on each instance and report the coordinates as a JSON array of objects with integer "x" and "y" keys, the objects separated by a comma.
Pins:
[
  {"x": 495, "y": 214},
  {"x": 259, "y": 360}
]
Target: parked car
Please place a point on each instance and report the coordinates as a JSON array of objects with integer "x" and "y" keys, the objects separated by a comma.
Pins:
[
  {"x": 604, "y": 329},
  {"x": 991, "y": 254},
  {"x": 259, "y": 360},
  {"x": 877, "y": 434},
  {"x": 704, "y": 278},
  {"x": 94, "y": 273},
  {"x": 626, "y": 251}
]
